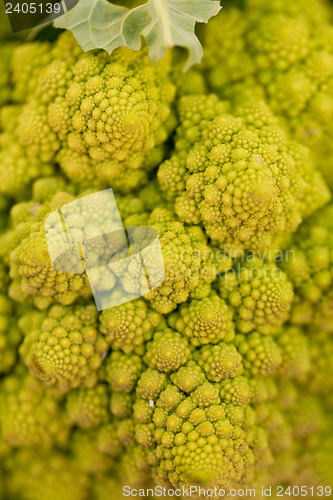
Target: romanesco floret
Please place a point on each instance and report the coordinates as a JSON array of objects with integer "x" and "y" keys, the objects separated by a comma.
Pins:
[
  {"x": 219, "y": 362},
  {"x": 259, "y": 294},
  {"x": 121, "y": 404},
  {"x": 31, "y": 265},
  {"x": 129, "y": 325},
  {"x": 90, "y": 226},
  {"x": 126, "y": 432},
  {"x": 261, "y": 355},
  {"x": 192, "y": 435},
  {"x": 17, "y": 170},
  {"x": 167, "y": 351},
  {"x": 195, "y": 113},
  {"x": 150, "y": 383},
  {"x": 241, "y": 179},
  {"x": 67, "y": 349},
  {"x": 31, "y": 415},
  {"x": 281, "y": 53},
  {"x": 188, "y": 261},
  {"x": 309, "y": 267},
  {"x": 122, "y": 371},
  {"x": 204, "y": 321},
  {"x": 27, "y": 61},
  {"x": 88, "y": 407},
  {"x": 221, "y": 376},
  {"x": 236, "y": 391},
  {"x": 101, "y": 118}
]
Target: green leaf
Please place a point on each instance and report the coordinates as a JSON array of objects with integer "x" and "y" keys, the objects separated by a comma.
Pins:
[{"x": 164, "y": 24}]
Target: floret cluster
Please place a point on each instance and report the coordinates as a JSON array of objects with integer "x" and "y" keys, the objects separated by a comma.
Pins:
[
  {"x": 281, "y": 52},
  {"x": 221, "y": 376}
]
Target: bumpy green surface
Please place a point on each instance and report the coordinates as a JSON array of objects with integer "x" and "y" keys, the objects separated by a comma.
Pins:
[
  {"x": 281, "y": 52},
  {"x": 102, "y": 119},
  {"x": 238, "y": 174},
  {"x": 221, "y": 376},
  {"x": 67, "y": 349}
]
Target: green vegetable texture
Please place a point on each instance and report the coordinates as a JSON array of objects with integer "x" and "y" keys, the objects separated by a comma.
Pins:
[
  {"x": 281, "y": 53},
  {"x": 219, "y": 378}
]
